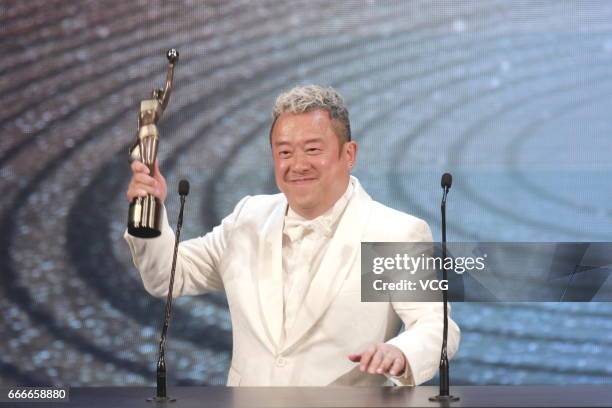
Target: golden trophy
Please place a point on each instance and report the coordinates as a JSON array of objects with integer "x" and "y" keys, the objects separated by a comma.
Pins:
[{"x": 145, "y": 212}]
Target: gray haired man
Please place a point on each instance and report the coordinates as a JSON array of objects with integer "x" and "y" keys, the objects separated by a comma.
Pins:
[{"x": 289, "y": 263}]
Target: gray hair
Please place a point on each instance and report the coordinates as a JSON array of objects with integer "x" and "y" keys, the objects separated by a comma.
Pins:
[{"x": 306, "y": 98}]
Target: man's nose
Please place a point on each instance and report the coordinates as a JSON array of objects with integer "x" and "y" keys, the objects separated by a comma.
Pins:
[{"x": 300, "y": 162}]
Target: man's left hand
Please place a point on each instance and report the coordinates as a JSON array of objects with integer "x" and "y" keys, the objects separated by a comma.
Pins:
[{"x": 381, "y": 358}]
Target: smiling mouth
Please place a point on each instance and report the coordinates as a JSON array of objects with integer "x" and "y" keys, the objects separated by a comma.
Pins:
[{"x": 302, "y": 181}]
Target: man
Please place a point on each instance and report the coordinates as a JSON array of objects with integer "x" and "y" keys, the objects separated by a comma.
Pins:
[{"x": 290, "y": 264}]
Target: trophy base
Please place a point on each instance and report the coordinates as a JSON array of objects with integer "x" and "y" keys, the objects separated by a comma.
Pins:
[
  {"x": 144, "y": 217},
  {"x": 143, "y": 232}
]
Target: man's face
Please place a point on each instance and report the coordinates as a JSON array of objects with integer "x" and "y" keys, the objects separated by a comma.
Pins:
[{"x": 310, "y": 166}]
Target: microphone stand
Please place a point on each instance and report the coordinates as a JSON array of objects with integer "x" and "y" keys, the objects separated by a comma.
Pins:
[
  {"x": 161, "y": 395},
  {"x": 444, "y": 395}
]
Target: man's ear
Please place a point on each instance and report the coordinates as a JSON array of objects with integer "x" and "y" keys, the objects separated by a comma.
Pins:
[{"x": 350, "y": 149}]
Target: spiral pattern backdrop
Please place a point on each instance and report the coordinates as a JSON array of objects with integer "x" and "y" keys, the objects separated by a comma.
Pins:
[{"x": 512, "y": 97}]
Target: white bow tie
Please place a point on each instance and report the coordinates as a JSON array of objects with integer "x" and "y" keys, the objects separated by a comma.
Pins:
[{"x": 298, "y": 229}]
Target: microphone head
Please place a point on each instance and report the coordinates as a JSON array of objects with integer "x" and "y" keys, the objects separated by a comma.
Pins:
[
  {"x": 183, "y": 188},
  {"x": 447, "y": 180}
]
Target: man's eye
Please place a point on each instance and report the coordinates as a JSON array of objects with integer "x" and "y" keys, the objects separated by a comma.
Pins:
[
  {"x": 313, "y": 150},
  {"x": 283, "y": 153}
]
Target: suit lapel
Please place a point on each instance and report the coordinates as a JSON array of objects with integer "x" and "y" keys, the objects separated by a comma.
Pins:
[
  {"x": 343, "y": 249},
  {"x": 269, "y": 274}
]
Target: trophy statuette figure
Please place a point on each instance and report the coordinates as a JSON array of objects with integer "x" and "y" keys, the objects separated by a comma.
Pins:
[{"x": 145, "y": 212}]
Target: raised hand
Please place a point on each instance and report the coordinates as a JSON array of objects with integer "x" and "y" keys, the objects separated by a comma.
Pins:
[{"x": 142, "y": 183}]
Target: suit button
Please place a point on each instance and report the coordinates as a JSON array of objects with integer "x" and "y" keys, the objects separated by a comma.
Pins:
[{"x": 281, "y": 362}]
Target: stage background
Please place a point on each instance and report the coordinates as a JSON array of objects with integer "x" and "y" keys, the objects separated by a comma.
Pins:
[{"x": 514, "y": 98}]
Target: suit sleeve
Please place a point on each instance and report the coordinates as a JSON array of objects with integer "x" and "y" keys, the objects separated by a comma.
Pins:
[
  {"x": 197, "y": 263},
  {"x": 421, "y": 341}
]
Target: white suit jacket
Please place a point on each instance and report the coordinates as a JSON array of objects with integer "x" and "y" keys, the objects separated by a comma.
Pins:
[{"x": 242, "y": 256}]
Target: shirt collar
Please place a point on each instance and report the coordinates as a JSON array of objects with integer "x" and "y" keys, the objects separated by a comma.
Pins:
[{"x": 297, "y": 226}]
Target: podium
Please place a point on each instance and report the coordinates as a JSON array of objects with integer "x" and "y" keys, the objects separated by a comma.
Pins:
[{"x": 332, "y": 397}]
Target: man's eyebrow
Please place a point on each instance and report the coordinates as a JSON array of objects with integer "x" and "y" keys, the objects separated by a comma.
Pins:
[
  {"x": 314, "y": 140},
  {"x": 307, "y": 141}
]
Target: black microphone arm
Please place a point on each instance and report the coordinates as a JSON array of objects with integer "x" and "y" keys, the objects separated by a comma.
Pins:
[
  {"x": 161, "y": 395},
  {"x": 444, "y": 395}
]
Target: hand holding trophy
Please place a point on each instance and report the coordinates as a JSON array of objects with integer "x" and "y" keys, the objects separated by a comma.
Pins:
[{"x": 145, "y": 211}]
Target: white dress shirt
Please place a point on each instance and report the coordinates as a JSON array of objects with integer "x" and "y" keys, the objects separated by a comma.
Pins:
[{"x": 304, "y": 245}]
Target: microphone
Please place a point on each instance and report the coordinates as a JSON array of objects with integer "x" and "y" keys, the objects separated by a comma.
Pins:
[
  {"x": 161, "y": 396},
  {"x": 183, "y": 188},
  {"x": 447, "y": 181},
  {"x": 444, "y": 395}
]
